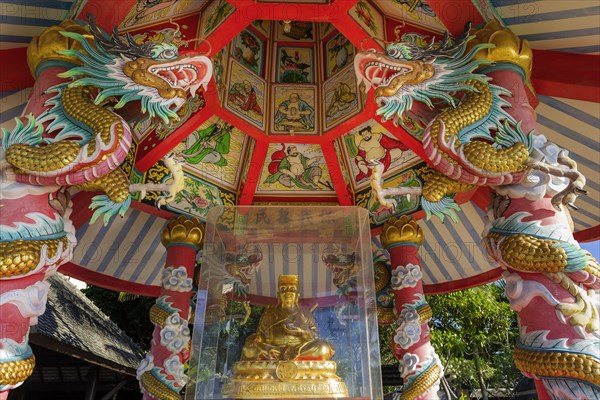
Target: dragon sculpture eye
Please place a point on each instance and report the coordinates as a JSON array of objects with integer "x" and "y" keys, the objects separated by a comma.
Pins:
[
  {"x": 168, "y": 54},
  {"x": 164, "y": 51}
]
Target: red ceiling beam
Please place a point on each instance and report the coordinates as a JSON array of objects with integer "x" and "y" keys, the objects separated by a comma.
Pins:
[
  {"x": 588, "y": 235},
  {"x": 353, "y": 31},
  {"x": 454, "y": 14},
  {"x": 334, "y": 166},
  {"x": 240, "y": 123},
  {"x": 569, "y": 75},
  {"x": 14, "y": 71},
  {"x": 253, "y": 176},
  {"x": 108, "y": 282}
]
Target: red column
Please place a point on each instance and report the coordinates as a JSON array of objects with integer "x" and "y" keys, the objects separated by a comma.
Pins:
[
  {"x": 161, "y": 374},
  {"x": 36, "y": 237},
  {"x": 550, "y": 280},
  {"x": 420, "y": 367}
]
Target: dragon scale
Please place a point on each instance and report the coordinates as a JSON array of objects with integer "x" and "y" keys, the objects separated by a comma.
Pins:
[
  {"x": 43, "y": 164},
  {"x": 481, "y": 162}
]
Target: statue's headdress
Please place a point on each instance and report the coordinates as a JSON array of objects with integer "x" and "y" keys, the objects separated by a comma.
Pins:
[{"x": 288, "y": 280}]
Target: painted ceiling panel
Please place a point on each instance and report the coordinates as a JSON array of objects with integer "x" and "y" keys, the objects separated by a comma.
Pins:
[
  {"x": 151, "y": 12},
  {"x": 371, "y": 141},
  {"x": 369, "y": 18},
  {"x": 414, "y": 12},
  {"x": 295, "y": 169},
  {"x": 214, "y": 152},
  {"x": 570, "y": 26}
]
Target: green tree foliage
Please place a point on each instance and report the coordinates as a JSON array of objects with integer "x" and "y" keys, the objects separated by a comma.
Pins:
[
  {"x": 477, "y": 330},
  {"x": 132, "y": 316}
]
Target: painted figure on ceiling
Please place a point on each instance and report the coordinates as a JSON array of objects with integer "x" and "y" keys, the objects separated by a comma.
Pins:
[
  {"x": 292, "y": 168},
  {"x": 210, "y": 145},
  {"x": 341, "y": 100},
  {"x": 243, "y": 95},
  {"x": 294, "y": 115},
  {"x": 373, "y": 146}
]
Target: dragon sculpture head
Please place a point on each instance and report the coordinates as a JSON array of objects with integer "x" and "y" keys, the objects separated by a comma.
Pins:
[
  {"x": 151, "y": 72},
  {"x": 408, "y": 72},
  {"x": 79, "y": 139},
  {"x": 343, "y": 267}
]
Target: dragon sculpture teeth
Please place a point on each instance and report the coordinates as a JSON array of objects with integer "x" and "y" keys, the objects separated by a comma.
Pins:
[
  {"x": 479, "y": 133},
  {"x": 71, "y": 135}
]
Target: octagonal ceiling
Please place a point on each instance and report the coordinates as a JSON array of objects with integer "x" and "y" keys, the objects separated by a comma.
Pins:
[{"x": 276, "y": 93}]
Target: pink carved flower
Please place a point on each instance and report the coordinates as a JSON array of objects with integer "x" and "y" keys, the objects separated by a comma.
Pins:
[{"x": 201, "y": 202}]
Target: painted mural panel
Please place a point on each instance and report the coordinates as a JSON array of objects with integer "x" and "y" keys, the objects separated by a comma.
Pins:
[
  {"x": 325, "y": 28},
  {"x": 219, "y": 71},
  {"x": 371, "y": 141},
  {"x": 177, "y": 32},
  {"x": 294, "y": 64},
  {"x": 263, "y": 26},
  {"x": 295, "y": 168},
  {"x": 368, "y": 18},
  {"x": 248, "y": 158},
  {"x": 300, "y": 31},
  {"x": 338, "y": 53},
  {"x": 341, "y": 97},
  {"x": 343, "y": 165},
  {"x": 198, "y": 197},
  {"x": 145, "y": 12},
  {"x": 214, "y": 152},
  {"x": 294, "y": 109},
  {"x": 404, "y": 205},
  {"x": 246, "y": 95},
  {"x": 213, "y": 15},
  {"x": 416, "y": 11},
  {"x": 249, "y": 49}
]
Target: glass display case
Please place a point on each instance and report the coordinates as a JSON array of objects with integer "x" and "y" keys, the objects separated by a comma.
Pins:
[{"x": 286, "y": 306}]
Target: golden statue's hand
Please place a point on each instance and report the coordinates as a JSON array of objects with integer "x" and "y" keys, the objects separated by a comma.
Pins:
[
  {"x": 293, "y": 330},
  {"x": 274, "y": 353},
  {"x": 269, "y": 354}
]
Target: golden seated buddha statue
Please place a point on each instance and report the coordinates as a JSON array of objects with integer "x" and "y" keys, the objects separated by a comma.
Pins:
[{"x": 285, "y": 358}]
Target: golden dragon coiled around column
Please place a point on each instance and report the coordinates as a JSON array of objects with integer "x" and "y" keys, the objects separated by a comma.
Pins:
[
  {"x": 473, "y": 135},
  {"x": 71, "y": 135}
]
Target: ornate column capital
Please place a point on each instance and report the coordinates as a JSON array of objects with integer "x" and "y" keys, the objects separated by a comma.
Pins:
[
  {"x": 507, "y": 48},
  {"x": 183, "y": 231},
  {"x": 51, "y": 42},
  {"x": 403, "y": 230}
]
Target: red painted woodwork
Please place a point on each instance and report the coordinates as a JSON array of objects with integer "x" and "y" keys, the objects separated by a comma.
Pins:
[{"x": 568, "y": 75}]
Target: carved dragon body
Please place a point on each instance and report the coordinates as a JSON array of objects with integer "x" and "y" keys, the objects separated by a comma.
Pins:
[
  {"x": 71, "y": 135},
  {"x": 482, "y": 134}
]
